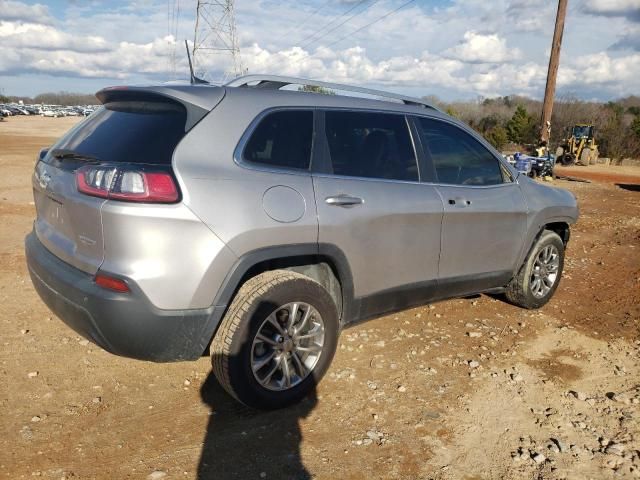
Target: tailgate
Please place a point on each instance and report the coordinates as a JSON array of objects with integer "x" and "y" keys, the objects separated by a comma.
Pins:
[{"x": 68, "y": 223}]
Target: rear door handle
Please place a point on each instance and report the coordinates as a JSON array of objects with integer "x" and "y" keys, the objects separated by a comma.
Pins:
[{"x": 344, "y": 201}]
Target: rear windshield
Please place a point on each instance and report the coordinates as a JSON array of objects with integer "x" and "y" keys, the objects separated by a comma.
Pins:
[{"x": 131, "y": 132}]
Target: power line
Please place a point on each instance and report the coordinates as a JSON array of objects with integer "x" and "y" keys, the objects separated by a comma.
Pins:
[
  {"x": 342, "y": 23},
  {"x": 304, "y": 21},
  {"x": 388, "y": 14},
  {"x": 314, "y": 34}
]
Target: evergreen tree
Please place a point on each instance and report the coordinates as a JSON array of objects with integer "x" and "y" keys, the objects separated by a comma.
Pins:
[{"x": 521, "y": 128}]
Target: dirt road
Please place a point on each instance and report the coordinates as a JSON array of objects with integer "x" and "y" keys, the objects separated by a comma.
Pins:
[{"x": 471, "y": 388}]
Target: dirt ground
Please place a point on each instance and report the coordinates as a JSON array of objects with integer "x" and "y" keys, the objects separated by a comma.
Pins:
[{"x": 463, "y": 389}]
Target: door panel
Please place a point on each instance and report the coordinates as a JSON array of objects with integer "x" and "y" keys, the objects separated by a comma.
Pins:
[
  {"x": 484, "y": 210},
  {"x": 389, "y": 231},
  {"x": 482, "y": 230}
]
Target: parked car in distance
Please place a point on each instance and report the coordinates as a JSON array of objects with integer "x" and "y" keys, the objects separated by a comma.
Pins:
[
  {"x": 253, "y": 223},
  {"x": 49, "y": 113}
]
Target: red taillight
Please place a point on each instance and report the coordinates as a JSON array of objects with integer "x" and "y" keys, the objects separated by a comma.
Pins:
[
  {"x": 127, "y": 184},
  {"x": 111, "y": 283}
]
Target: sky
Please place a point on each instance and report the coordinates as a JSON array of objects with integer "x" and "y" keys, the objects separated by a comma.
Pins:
[{"x": 453, "y": 49}]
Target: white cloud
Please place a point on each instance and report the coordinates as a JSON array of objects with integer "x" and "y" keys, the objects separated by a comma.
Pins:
[
  {"x": 355, "y": 66},
  {"x": 530, "y": 15},
  {"x": 614, "y": 8},
  {"x": 97, "y": 59},
  {"x": 629, "y": 40},
  {"x": 602, "y": 70},
  {"x": 13, "y": 10},
  {"x": 46, "y": 37},
  {"x": 483, "y": 48}
]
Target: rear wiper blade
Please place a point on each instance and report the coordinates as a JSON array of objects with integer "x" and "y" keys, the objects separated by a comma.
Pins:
[{"x": 61, "y": 153}]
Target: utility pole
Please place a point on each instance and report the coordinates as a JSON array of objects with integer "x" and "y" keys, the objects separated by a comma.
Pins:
[
  {"x": 215, "y": 34},
  {"x": 552, "y": 73}
]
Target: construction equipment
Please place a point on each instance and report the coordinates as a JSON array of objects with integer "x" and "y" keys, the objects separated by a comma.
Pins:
[{"x": 578, "y": 147}]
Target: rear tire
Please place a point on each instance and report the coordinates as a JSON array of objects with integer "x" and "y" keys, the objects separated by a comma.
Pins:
[
  {"x": 568, "y": 159},
  {"x": 540, "y": 274},
  {"x": 265, "y": 325}
]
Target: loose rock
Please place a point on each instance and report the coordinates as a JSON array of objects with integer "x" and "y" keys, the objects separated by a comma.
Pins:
[
  {"x": 156, "y": 475},
  {"x": 579, "y": 395},
  {"x": 538, "y": 458},
  {"x": 615, "y": 449}
]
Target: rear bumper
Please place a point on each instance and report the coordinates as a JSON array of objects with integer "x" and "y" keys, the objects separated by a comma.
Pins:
[{"x": 123, "y": 324}]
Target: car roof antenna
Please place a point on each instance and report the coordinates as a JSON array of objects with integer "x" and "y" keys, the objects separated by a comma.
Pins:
[{"x": 194, "y": 80}]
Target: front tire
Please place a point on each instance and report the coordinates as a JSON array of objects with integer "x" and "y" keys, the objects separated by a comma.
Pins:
[
  {"x": 585, "y": 157},
  {"x": 276, "y": 341},
  {"x": 540, "y": 274}
]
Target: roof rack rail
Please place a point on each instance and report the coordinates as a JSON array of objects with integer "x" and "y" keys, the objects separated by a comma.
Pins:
[{"x": 275, "y": 82}]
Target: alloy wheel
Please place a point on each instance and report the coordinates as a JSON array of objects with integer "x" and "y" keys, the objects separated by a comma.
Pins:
[
  {"x": 287, "y": 346},
  {"x": 545, "y": 271}
]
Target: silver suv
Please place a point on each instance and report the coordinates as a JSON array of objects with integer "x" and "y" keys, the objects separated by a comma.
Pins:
[{"x": 253, "y": 222}]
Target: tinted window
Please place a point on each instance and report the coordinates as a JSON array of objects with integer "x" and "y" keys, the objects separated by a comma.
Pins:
[
  {"x": 134, "y": 132},
  {"x": 459, "y": 159},
  {"x": 282, "y": 139},
  {"x": 364, "y": 144}
]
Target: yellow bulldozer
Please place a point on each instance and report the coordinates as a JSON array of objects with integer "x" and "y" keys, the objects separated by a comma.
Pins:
[{"x": 578, "y": 146}]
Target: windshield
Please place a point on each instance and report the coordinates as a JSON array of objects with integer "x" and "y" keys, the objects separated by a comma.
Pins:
[
  {"x": 581, "y": 131},
  {"x": 130, "y": 132}
]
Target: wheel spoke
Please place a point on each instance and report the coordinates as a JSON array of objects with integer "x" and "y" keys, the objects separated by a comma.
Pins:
[
  {"x": 261, "y": 363},
  {"x": 310, "y": 348},
  {"x": 265, "y": 380},
  {"x": 274, "y": 321},
  {"x": 536, "y": 286},
  {"x": 312, "y": 334},
  {"x": 286, "y": 370},
  {"x": 302, "y": 369},
  {"x": 266, "y": 339},
  {"x": 293, "y": 313},
  {"x": 304, "y": 320}
]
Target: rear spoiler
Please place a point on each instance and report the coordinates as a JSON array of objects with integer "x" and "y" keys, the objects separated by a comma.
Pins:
[{"x": 198, "y": 100}]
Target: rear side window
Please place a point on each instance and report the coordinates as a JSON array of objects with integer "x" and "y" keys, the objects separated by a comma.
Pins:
[
  {"x": 459, "y": 159},
  {"x": 131, "y": 132},
  {"x": 366, "y": 144},
  {"x": 282, "y": 139}
]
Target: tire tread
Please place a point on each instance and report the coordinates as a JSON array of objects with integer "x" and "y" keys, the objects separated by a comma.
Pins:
[
  {"x": 252, "y": 289},
  {"x": 516, "y": 291}
]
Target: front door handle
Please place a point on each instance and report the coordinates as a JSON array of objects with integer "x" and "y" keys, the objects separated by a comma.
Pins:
[
  {"x": 344, "y": 201},
  {"x": 459, "y": 202}
]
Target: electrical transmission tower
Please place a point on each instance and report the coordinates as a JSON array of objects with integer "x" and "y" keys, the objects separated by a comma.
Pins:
[{"x": 215, "y": 34}]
